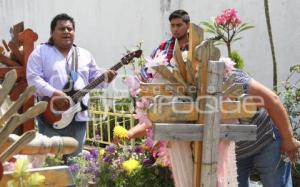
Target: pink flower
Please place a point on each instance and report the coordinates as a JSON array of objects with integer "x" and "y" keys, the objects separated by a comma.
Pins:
[
  {"x": 228, "y": 19},
  {"x": 149, "y": 140},
  {"x": 142, "y": 117},
  {"x": 229, "y": 66},
  {"x": 133, "y": 84}
]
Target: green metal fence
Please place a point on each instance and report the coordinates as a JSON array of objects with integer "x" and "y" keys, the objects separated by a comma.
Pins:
[{"x": 106, "y": 112}]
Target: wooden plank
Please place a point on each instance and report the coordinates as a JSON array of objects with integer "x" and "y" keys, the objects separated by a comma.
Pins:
[
  {"x": 9, "y": 80},
  {"x": 17, "y": 105},
  {"x": 195, "y": 38},
  {"x": 17, "y": 120},
  {"x": 17, "y": 146},
  {"x": 28, "y": 37},
  {"x": 194, "y": 132},
  {"x": 7, "y": 61},
  {"x": 203, "y": 53},
  {"x": 211, "y": 131},
  {"x": 16, "y": 29},
  {"x": 167, "y": 89},
  {"x": 165, "y": 73},
  {"x": 10, "y": 126},
  {"x": 5, "y": 45},
  {"x": 55, "y": 176},
  {"x": 172, "y": 112},
  {"x": 179, "y": 78},
  {"x": 238, "y": 109},
  {"x": 179, "y": 61},
  {"x": 1, "y": 49},
  {"x": 21, "y": 71},
  {"x": 15, "y": 51},
  {"x": 188, "y": 111},
  {"x": 18, "y": 89},
  {"x": 233, "y": 91}
]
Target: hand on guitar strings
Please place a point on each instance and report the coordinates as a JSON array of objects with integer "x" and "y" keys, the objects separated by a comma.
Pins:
[
  {"x": 110, "y": 75},
  {"x": 60, "y": 101}
]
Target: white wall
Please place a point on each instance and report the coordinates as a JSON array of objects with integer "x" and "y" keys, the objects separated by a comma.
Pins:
[{"x": 107, "y": 27}]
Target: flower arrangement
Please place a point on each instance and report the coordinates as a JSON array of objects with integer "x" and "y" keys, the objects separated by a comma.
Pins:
[
  {"x": 119, "y": 165},
  {"x": 227, "y": 26},
  {"x": 22, "y": 178}
]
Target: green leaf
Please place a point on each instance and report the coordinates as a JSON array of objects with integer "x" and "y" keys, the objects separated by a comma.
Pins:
[
  {"x": 235, "y": 39},
  {"x": 209, "y": 25},
  {"x": 211, "y": 31},
  {"x": 241, "y": 29}
]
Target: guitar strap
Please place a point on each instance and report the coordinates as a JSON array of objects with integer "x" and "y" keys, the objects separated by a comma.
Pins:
[{"x": 73, "y": 75}]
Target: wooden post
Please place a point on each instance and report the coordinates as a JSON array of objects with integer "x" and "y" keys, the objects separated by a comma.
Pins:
[
  {"x": 27, "y": 37},
  {"x": 211, "y": 134}
]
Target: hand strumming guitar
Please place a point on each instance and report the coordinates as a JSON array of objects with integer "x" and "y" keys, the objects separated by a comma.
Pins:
[{"x": 60, "y": 101}]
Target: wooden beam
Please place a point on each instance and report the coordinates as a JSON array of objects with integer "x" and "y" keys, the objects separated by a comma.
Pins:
[
  {"x": 15, "y": 51},
  {"x": 187, "y": 111},
  {"x": 164, "y": 71},
  {"x": 212, "y": 120},
  {"x": 167, "y": 89},
  {"x": 195, "y": 38},
  {"x": 21, "y": 71},
  {"x": 27, "y": 38},
  {"x": 194, "y": 132},
  {"x": 179, "y": 61},
  {"x": 55, "y": 176},
  {"x": 7, "y": 61}
]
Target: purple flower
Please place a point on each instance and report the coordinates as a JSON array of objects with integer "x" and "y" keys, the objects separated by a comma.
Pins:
[
  {"x": 111, "y": 148},
  {"x": 108, "y": 159},
  {"x": 88, "y": 156},
  {"x": 114, "y": 176},
  {"x": 94, "y": 153},
  {"x": 92, "y": 168},
  {"x": 74, "y": 168},
  {"x": 148, "y": 161},
  {"x": 138, "y": 150}
]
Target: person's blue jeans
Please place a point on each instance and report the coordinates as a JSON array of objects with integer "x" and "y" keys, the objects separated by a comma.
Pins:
[
  {"x": 273, "y": 171},
  {"x": 76, "y": 129}
]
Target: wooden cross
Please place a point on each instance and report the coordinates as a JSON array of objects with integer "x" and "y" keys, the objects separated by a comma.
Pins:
[
  {"x": 19, "y": 49},
  {"x": 198, "y": 119}
]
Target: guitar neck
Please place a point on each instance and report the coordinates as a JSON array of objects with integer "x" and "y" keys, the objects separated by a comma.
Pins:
[{"x": 79, "y": 94}]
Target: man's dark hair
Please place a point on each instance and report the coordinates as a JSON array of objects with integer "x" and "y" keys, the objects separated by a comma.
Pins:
[
  {"x": 180, "y": 14},
  {"x": 60, "y": 17}
]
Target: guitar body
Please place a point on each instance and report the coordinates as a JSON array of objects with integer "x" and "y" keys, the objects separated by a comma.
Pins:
[{"x": 52, "y": 114}]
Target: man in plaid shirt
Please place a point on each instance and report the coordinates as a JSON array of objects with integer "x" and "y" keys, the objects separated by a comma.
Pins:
[{"x": 179, "y": 25}]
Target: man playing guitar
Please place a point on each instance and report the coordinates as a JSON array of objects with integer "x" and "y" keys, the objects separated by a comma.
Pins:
[{"x": 59, "y": 65}]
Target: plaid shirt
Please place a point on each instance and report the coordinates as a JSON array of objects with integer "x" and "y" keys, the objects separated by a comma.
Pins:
[{"x": 167, "y": 47}]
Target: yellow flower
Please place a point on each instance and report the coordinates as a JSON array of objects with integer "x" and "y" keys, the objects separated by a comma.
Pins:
[
  {"x": 101, "y": 151},
  {"x": 36, "y": 179},
  {"x": 120, "y": 132},
  {"x": 21, "y": 166},
  {"x": 131, "y": 165}
]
